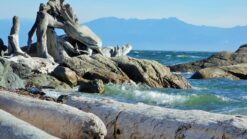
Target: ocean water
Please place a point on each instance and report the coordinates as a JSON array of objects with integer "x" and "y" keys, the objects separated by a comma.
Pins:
[{"x": 212, "y": 95}]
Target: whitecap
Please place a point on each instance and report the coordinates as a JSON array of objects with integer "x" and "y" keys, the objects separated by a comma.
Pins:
[{"x": 158, "y": 97}]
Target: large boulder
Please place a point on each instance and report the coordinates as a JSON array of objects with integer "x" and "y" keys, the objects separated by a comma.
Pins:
[
  {"x": 66, "y": 75},
  {"x": 234, "y": 72},
  {"x": 95, "y": 86},
  {"x": 97, "y": 67},
  {"x": 150, "y": 73},
  {"x": 217, "y": 60}
]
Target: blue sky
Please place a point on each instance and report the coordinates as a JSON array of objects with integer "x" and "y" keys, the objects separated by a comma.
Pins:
[{"x": 221, "y": 13}]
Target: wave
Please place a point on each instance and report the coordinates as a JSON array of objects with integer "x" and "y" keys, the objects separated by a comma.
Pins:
[{"x": 162, "y": 98}]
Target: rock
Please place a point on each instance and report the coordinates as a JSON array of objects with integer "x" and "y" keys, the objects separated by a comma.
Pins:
[
  {"x": 66, "y": 75},
  {"x": 56, "y": 119},
  {"x": 234, "y": 72},
  {"x": 95, "y": 86},
  {"x": 140, "y": 121},
  {"x": 121, "y": 70},
  {"x": 9, "y": 79},
  {"x": 14, "y": 128},
  {"x": 96, "y": 67},
  {"x": 47, "y": 81},
  {"x": 217, "y": 60},
  {"x": 150, "y": 73}
]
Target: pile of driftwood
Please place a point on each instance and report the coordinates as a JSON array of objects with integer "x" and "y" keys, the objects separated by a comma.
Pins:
[{"x": 78, "y": 39}]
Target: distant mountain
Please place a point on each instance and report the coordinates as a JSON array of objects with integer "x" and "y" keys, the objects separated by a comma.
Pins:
[
  {"x": 168, "y": 34},
  {"x": 155, "y": 34}
]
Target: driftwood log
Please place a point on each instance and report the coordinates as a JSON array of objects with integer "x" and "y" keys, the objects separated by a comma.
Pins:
[
  {"x": 13, "y": 47},
  {"x": 57, "y": 15},
  {"x": 14, "y": 128},
  {"x": 56, "y": 119},
  {"x": 140, "y": 121}
]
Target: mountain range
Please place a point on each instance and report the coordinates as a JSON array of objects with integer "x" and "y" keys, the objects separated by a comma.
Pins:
[{"x": 154, "y": 34}]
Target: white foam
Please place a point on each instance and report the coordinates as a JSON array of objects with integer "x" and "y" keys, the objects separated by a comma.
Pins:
[{"x": 158, "y": 97}]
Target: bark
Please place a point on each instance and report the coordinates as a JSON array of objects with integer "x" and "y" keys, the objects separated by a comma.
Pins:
[
  {"x": 140, "y": 121},
  {"x": 13, "y": 38},
  {"x": 14, "y": 128},
  {"x": 57, "y": 119}
]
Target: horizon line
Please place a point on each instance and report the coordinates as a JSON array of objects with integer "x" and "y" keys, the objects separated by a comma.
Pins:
[{"x": 137, "y": 18}]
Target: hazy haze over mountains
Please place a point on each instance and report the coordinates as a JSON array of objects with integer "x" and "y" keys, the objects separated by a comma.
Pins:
[{"x": 154, "y": 34}]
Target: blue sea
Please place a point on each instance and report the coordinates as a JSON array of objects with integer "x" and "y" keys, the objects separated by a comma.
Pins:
[{"x": 212, "y": 95}]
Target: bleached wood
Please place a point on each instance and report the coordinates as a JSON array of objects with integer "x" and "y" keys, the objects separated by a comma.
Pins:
[
  {"x": 140, "y": 121},
  {"x": 13, "y": 39},
  {"x": 14, "y": 128},
  {"x": 57, "y": 119}
]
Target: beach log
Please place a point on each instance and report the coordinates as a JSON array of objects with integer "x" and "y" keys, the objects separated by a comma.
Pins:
[
  {"x": 56, "y": 119},
  {"x": 14, "y": 128},
  {"x": 13, "y": 47},
  {"x": 140, "y": 121}
]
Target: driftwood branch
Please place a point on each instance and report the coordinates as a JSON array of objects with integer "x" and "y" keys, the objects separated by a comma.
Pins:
[{"x": 13, "y": 39}]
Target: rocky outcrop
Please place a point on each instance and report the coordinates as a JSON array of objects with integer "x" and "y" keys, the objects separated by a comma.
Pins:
[
  {"x": 150, "y": 73},
  {"x": 132, "y": 121},
  {"x": 234, "y": 72},
  {"x": 56, "y": 119},
  {"x": 119, "y": 70},
  {"x": 216, "y": 60},
  {"x": 124, "y": 69},
  {"x": 14, "y": 128}
]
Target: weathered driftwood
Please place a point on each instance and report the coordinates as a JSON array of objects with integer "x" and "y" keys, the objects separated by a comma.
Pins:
[
  {"x": 57, "y": 119},
  {"x": 13, "y": 39},
  {"x": 140, "y": 121},
  {"x": 116, "y": 51},
  {"x": 14, "y": 128},
  {"x": 57, "y": 15}
]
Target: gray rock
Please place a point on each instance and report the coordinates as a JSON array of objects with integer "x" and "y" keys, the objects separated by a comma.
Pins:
[
  {"x": 9, "y": 79},
  {"x": 47, "y": 81},
  {"x": 150, "y": 73},
  {"x": 216, "y": 60},
  {"x": 66, "y": 75},
  {"x": 95, "y": 86},
  {"x": 234, "y": 72}
]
